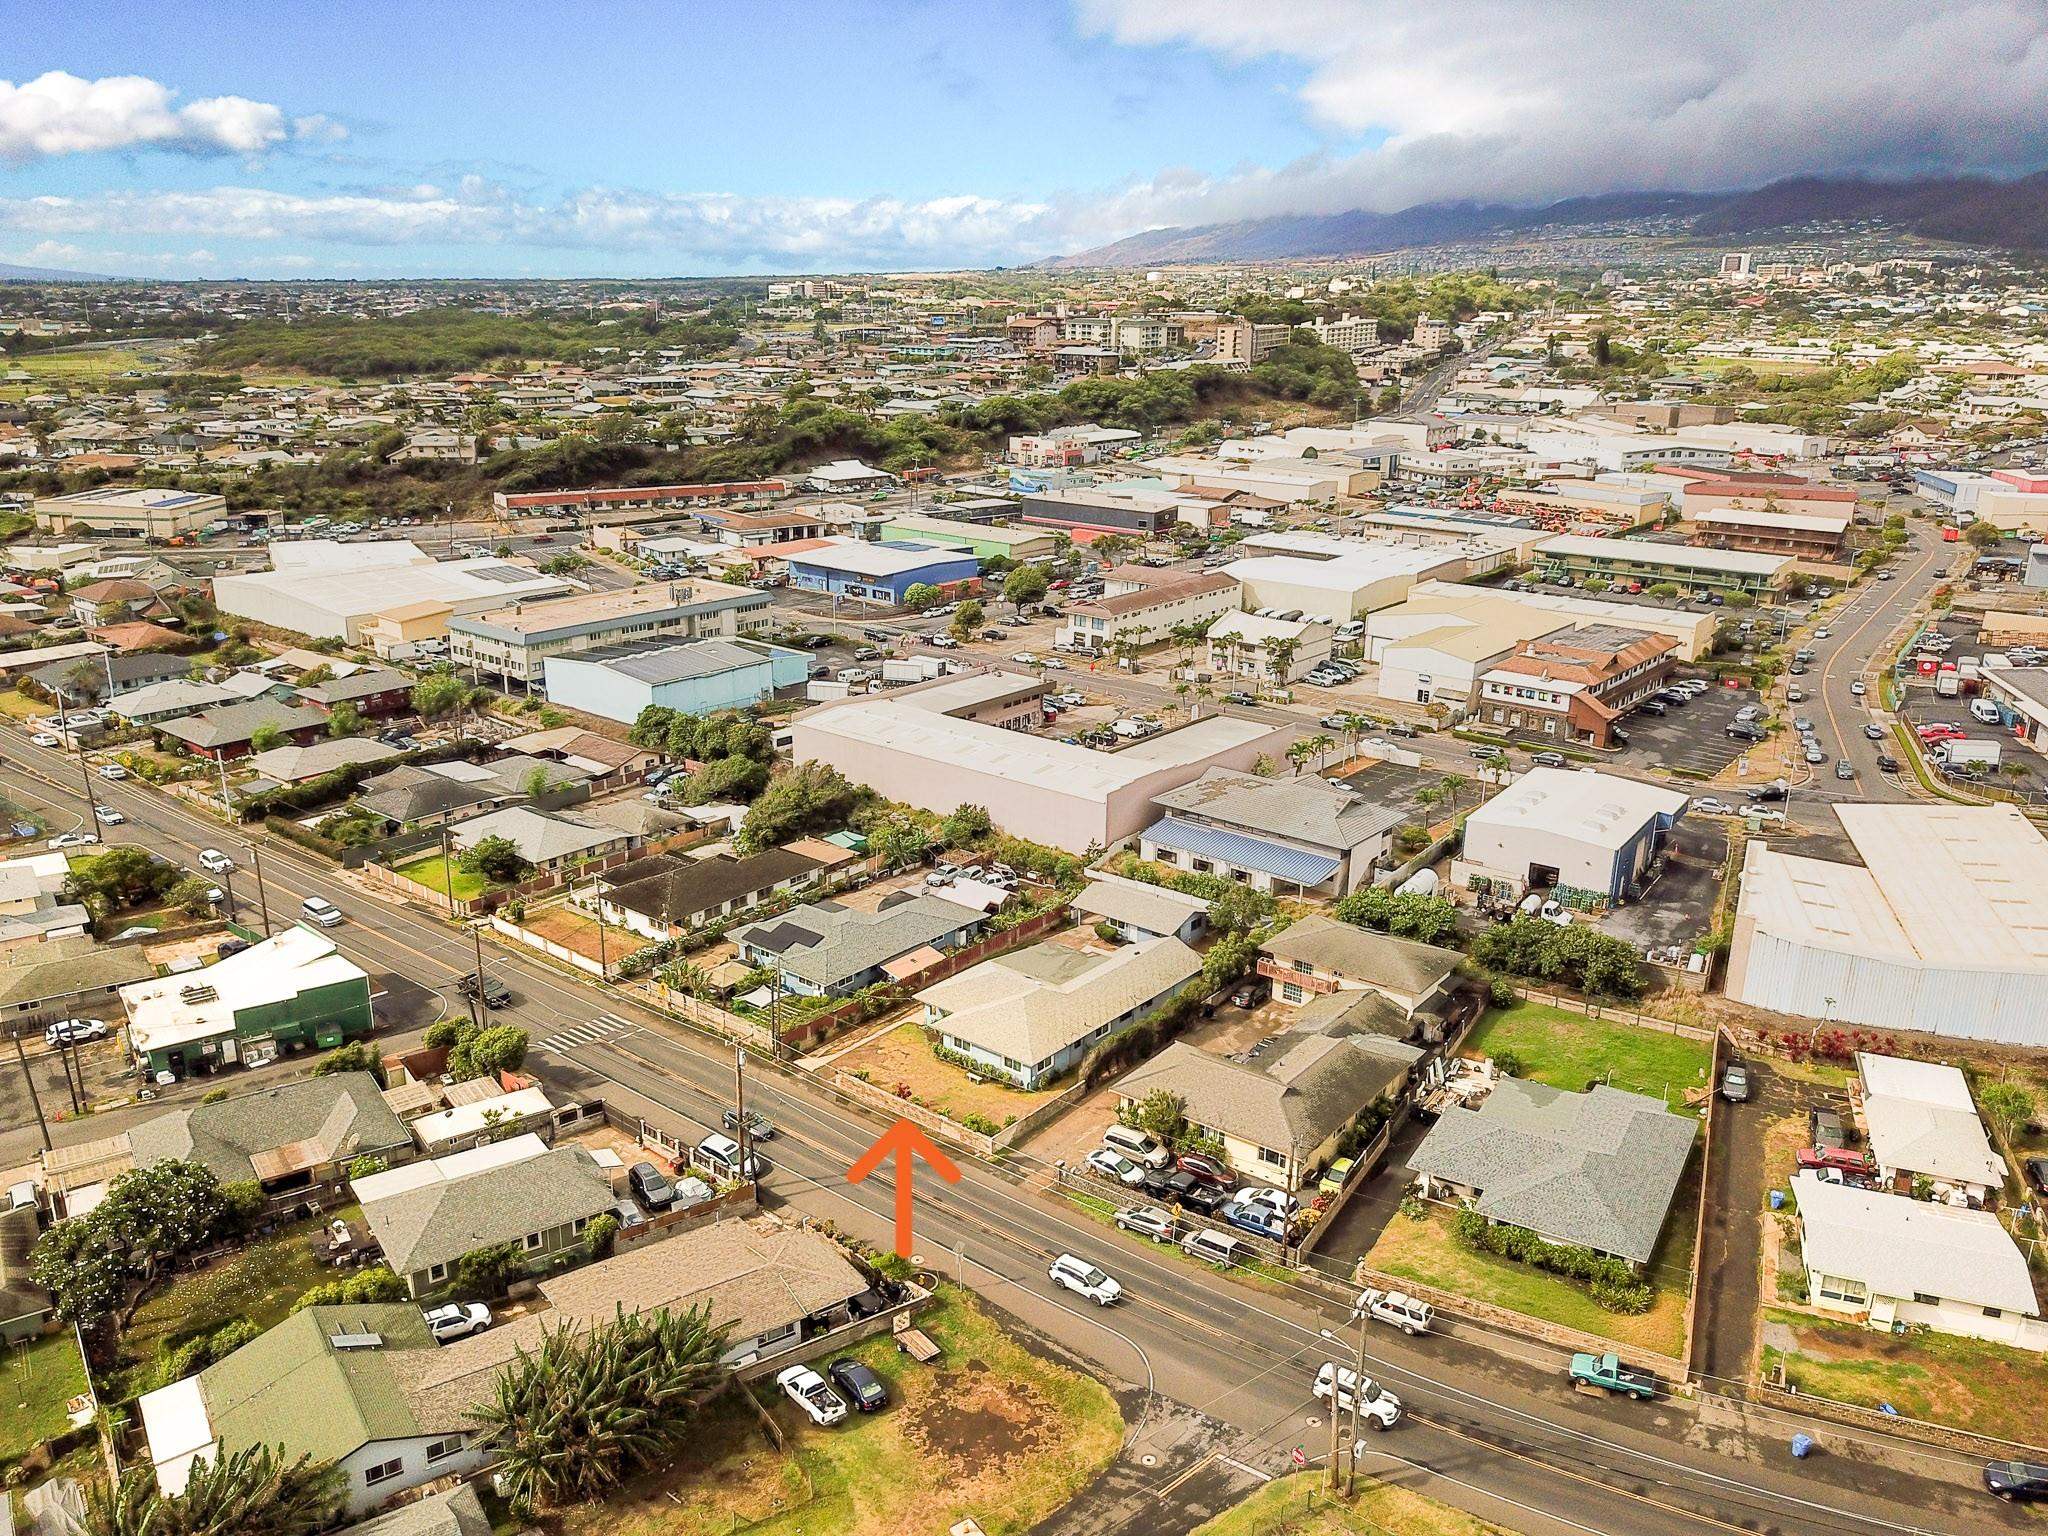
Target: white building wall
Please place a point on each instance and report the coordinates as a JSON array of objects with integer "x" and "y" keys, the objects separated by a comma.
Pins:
[
  {"x": 1767, "y": 971},
  {"x": 363, "y": 1497}
]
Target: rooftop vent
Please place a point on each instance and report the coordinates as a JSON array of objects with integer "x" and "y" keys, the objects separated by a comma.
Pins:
[
  {"x": 356, "y": 1340},
  {"x": 198, "y": 992}
]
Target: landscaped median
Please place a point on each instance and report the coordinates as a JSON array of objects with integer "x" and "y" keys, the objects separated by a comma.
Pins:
[{"x": 992, "y": 1431}]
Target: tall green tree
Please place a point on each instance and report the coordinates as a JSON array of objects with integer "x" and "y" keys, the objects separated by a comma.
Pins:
[
  {"x": 250, "y": 1492},
  {"x": 578, "y": 1415}
]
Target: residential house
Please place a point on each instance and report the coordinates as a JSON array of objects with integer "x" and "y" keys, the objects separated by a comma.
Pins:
[
  {"x": 292, "y": 991},
  {"x": 1283, "y": 1112},
  {"x": 329, "y": 1383},
  {"x": 1314, "y": 956},
  {"x": 110, "y": 602},
  {"x": 102, "y": 678},
  {"x": 227, "y": 730},
  {"x": 372, "y": 690},
  {"x": 484, "y": 1110},
  {"x": 172, "y": 699},
  {"x": 824, "y": 949},
  {"x": 26, "y": 1310},
  {"x": 1898, "y": 1263},
  {"x": 294, "y": 765},
  {"x": 1138, "y": 911},
  {"x": 546, "y": 840},
  {"x": 32, "y": 909},
  {"x": 599, "y": 756},
  {"x": 1030, "y": 1015},
  {"x": 536, "y": 1198},
  {"x": 454, "y": 1511},
  {"x": 1301, "y": 836},
  {"x": 67, "y": 976},
  {"x": 1591, "y": 1170},
  {"x": 1923, "y": 1125},
  {"x": 285, "y": 1137},
  {"x": 665, "y": 896}
]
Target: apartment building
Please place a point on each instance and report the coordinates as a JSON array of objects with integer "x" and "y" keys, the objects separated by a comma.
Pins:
[
  {"x": 514, "y": 643},
  {"x": 1574, "y": 685},
  {"x": 1353, "y": 333},
  {"x": 1142, "y": 604}
]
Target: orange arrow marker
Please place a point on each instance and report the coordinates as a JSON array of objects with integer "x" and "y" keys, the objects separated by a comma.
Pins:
[{"x": 906, "y": 1143}]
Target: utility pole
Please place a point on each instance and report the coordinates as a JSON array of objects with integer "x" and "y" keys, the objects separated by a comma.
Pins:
[
  {"x": 477, "y": 937},
  {"x": 262, "y": 896},
  {"x": 21, "y": 1055},
  {"x": 92, "y": 804},
  {"x": 775, "y": 1011},
  {"x": 447, "y": 871},
  {"x": 739, "y": 1099},
  {"x": 604, "y": 964},
  {"x": 1357, "y": 1392},
  {"x": 1336, "y": 1387},
  {"x": 70, "y": 1084}
]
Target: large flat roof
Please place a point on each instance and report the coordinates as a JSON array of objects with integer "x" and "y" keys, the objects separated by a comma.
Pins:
[
  {"x": 594, "y": 611},
  {"x": 990, "y": 749},
  {"x": 1734, "y": 561},
  {"x": 1948, "y": 885},
  {"x": 858, "y": 557},
  {"x": 1583, "y": 803}
]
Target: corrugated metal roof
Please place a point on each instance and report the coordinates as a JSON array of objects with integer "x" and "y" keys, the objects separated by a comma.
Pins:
[{"x": 1283, "y": 863}]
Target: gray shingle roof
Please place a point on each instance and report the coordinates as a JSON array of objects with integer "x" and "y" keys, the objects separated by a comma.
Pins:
[
  {"x": 1597, "y": 1168},
  {"x": 1305, "y": 808},
  {"x": 1292, "y": 1101},
  {"x": 344, "y": 1112},
  {"x": 826, "y": 944},
  {"x": 438, "y": 1223},
  {"x": 685, "y": 887},
  {"x": 1153, "y": 908},
  {"x": 1377, "y": 959},
  {"x": 457, "y": 1512},
  {"x": 231, "y": 724}
]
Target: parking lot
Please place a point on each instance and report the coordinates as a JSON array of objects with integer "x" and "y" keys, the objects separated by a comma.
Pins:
[
  {"x": 1674, "y": 910},
  {"x": 1397, "y": 788},
  {"x": 1691, "y": 737}
]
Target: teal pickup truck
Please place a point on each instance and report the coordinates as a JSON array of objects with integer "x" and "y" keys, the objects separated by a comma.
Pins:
[{"x": 1607, "y": 1373}]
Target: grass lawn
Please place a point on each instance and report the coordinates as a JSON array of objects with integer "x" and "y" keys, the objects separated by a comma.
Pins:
[
  {"x": 260, "y": 1283},
  {"x": 1425, "y": 1252},
  {"x": 904, "y": 1055},
  {"x": 1568, "y": 1050},
  {"x": 1971, "y": 1385},
  {"x": 20, "y": 706},
  {"x": 429, "y": 870},
  {"x": 35, "y": 1384},
  {"x": 1301, "y": 1506},
  {"x": 993, "y": 1431}
]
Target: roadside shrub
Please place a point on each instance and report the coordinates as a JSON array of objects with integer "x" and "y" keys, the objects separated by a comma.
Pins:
[
  {"x": 356, "y": 1056},
  {"x": 1609, "y": 1281},
  {"x": 376, "y": 1283}
]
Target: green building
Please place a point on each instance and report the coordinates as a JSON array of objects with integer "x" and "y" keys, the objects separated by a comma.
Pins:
[
  {"x": 290, "y": 992},
  {"x": 1651, "y": 562}
]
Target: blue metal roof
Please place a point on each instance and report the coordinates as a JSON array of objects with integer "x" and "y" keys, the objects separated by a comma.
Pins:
[{"x": 1275, "y": 859}]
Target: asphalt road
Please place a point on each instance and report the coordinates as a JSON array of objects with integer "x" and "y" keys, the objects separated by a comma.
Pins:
[{"x": 1491, "y": 1426}]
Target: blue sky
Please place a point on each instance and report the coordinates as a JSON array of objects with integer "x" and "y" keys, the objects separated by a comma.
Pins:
[{"x": 378, "y": 138}]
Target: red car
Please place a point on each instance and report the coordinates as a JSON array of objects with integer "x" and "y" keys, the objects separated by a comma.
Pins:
[
  {"x": 1933, "y": 733},
  {"x": 1842, "y": 1159},
  {"x": 1207, "y": 1169}
]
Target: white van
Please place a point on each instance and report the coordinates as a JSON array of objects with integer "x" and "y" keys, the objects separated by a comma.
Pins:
[
  {"x": 1137, "y": 1146},
  {"x": 1214, "y": 1247},
  {"x": 319, "y": 911},
  {"x": 1984, "y": 711}
]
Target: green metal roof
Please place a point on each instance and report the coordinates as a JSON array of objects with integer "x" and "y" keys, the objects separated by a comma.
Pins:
[{"x": 293, "y": 1387}]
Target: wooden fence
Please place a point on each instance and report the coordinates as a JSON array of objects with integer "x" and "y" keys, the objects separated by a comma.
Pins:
[{"x": 1614, "y": 1011}]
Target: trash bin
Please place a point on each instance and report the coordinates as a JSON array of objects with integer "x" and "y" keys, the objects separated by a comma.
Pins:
[
  {"x": 1802, "y": 1445},
  {"x": 1777, "y": 1199}
]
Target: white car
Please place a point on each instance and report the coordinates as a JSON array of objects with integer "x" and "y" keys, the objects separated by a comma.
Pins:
[
  {"x": 1084, "y": 1279},
  {"x": 457, "y": 1320},
  {"x": 1554, "y": 912},
  {"x": 1337, "y": 1385},
  {"x": 72, "y": 840},
  {"x": 108, "y": 816},
  {"x": 1153, "y": 1221},
  {"x": 1114, "y": 1165},
  {"x": 75, "y": 1031},
  {"x": 1277, "y": 1200},
  {"x": 1054, "y": 664},
  {"x": 1821, "y": 633},
  {"x": 214, "y": 862},
  {"x": 1025, "y": 659},
  {"x": 111, "y": 771},
  {"x": 1404, "y": 1312},
  {"x": 46, "y": 739},
  {"x": 1858, "y": 689},
  {"x": 806, "y": 1388}
]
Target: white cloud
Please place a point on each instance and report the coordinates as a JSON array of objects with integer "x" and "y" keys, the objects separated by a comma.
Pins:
[
  {"x": 692, "y": 230},
  {"x": 1528, "y": 100},
  {"x": 61, "y": 114}
]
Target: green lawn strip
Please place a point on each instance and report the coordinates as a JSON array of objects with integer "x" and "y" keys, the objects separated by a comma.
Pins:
[
  {"x": 432, "y": 872},
  {"x": 1302, "y": 1506},
  {"x": 1570, "y": 1050},
  {"x": 35, "y": 1384},
  {"x": 1968, "y": 1384},
  {"x": 259, "y": 1282},
  {"x": 1426, "y": 1252}
]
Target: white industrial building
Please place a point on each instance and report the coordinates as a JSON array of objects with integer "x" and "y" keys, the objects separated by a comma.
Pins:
[
  {"x": 1943, "y": 926},
  {"x": 333, "y": 591},
  {"x": 1339, "y": 579},
  {"x": 1584, "y": 834},
  {"x": 1069, "y": 796}
]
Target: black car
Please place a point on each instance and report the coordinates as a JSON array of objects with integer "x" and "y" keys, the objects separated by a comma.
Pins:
[
  {"x": 492, "y": 992},
  {"x": 651, "y": 1185},
  {"x": 1741, "y": 732},
  {"x": 1767, "y": 793},
  {"x": 759, "y": 1126},
  {"x": 1169, "y": 1184},
  {"x": 1824, "y": 1129},
  {"x": 2037, "y": 1174},
  {"x": 1206, "y": 1198},
  {"x": 1887, "y": 763},
  {"x": 1654, "y": 707},
  {"x": 861, "y": 1386},
  {"x": 2012, "y": 1480}
]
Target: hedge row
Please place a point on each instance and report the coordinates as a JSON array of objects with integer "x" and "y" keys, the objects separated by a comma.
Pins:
[{"x": 1611, "y": 1282}]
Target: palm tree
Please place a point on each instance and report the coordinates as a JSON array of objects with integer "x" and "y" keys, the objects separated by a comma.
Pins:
[
  {"x": 1319, "y": 747},
  {"x": 1427, "y": 797},
  {"x": 1454, "y": 785},
  {"x": 250, "y": 1492},
  {"x": 681, "y": 976},
  {"x": 1355, "y": 726},
  {"x": 1280, "y": 656},
  {"x": 584, "y": 1411}
]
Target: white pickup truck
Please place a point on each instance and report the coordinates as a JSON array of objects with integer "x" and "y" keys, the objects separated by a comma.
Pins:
[
  {"x": 1337, "y": 1384},
  {"x": 1404, "y": 1312}
]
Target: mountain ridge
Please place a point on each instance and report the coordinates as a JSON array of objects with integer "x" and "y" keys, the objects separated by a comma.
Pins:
[{"x": 1975, "y": 210}]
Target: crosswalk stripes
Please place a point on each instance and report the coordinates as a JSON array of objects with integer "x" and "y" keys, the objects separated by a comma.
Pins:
[{"x": 604, "y": 1027}]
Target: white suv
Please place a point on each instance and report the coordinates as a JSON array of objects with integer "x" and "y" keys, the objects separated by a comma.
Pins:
[
  {"x": 1337, "y": 1384},
  {"x": 214, "y": 862},
  {"x": 1084, "y": 1279}
]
